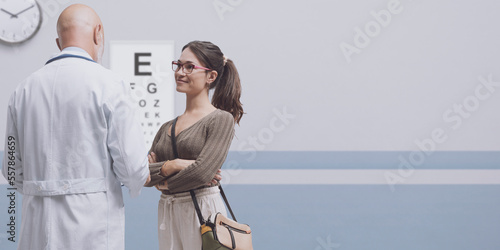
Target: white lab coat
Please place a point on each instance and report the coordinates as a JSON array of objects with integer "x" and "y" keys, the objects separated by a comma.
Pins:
[{"x": 76, "y": 139}]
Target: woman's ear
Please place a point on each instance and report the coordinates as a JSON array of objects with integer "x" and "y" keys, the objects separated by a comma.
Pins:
[{"x": 211, "y": 76}]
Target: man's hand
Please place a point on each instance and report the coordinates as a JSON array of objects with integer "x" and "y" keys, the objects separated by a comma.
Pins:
[
  {"x": 162, "y": 186},
  {"x": 152, "y": 157},
  {"x": 148, "y": 180}
]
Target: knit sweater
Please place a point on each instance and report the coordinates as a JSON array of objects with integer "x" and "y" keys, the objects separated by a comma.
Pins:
[{"x": 207, "y": 142}]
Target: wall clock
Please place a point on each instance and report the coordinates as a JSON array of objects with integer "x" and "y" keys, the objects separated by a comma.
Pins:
[{"x": 20, "y": 20}]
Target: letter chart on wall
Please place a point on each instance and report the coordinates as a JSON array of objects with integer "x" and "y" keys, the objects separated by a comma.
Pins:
[{"x": 146, "y": 65}]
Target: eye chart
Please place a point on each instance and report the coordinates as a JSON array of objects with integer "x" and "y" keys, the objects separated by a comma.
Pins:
[{"x": 146, "y": 66}]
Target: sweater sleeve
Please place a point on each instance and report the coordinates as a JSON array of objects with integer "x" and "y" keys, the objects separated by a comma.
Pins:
[{"x": 212, "y": 156}]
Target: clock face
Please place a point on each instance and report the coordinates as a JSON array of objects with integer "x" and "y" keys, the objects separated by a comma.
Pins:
[{"x": 19, "y": 20}]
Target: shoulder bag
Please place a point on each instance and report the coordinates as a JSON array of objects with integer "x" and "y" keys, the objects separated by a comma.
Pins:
[{"x": 218, "y": 231}]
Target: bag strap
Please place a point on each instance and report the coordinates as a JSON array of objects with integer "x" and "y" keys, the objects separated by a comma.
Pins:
[
  {"x": 197, "y": 207},
  {"x": 227, "y": 203},
  {"x": 193, "y": 195},
  {"x": 198, "y": 210},
  {"x": 172, "y": 138}
]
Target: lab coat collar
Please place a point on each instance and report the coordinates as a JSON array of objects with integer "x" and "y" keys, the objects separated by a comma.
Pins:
[{"x": 73, "y": 51}]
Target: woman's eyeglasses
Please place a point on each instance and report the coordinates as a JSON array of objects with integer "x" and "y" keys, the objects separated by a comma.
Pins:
[{"x": 187, "y": 68}]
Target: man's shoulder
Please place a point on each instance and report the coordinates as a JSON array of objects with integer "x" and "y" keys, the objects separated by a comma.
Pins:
[
  {"x": 83, "y": 66},
  {"x": 30, "y": 79},
  {"x": 101, "y": 71}
]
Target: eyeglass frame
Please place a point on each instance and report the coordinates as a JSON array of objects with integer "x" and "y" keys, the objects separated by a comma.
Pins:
[{"x": 181, "y": 66}]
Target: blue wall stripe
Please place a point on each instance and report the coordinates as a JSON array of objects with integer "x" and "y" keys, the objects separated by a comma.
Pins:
[
  {"x": 362, "y": 160},
  {"x": 352, "y": 217},
  {"x": 359, "y": 159},
  {"x": 340, "y": 216}
]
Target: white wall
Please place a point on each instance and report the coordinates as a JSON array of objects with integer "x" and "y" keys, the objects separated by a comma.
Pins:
[{"x": 396, "y": 90}]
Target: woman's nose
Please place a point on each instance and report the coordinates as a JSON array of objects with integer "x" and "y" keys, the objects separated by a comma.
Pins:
[{"x": 180, "y": 72}]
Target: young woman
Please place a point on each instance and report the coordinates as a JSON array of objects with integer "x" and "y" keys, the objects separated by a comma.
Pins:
[{"x": 203, "y": 135}]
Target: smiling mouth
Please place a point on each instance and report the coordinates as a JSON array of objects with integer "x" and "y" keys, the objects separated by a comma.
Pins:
[{"x": 181, "y": 81}]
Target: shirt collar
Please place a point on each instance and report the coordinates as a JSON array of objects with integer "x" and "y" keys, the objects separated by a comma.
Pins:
[{"x": 74, "y": 49}]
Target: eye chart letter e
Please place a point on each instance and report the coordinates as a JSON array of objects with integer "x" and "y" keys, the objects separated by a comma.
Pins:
[{"x": 146, "y": 65}]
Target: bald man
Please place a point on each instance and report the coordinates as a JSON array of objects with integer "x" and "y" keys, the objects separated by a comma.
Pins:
[{"x": 72, "y": 139}]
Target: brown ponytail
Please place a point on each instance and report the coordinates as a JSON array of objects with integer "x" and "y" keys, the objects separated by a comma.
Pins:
[{"x": 227, "y": 85}]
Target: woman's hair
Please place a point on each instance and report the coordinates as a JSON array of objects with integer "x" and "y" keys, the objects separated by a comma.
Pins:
[{"x": 227, "y": 84}]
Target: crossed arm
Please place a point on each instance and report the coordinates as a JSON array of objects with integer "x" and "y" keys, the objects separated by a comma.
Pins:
[{"x": 174, "y": 166}]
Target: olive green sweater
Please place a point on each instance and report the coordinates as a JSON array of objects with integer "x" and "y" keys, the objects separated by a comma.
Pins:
[{"x": 207, "y": 142}]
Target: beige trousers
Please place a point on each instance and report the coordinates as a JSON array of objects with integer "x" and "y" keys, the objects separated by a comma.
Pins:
[{"x": 178, "y": 224}]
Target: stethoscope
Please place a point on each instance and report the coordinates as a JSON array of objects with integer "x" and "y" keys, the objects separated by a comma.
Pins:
[{"x": 66, "y": 56}]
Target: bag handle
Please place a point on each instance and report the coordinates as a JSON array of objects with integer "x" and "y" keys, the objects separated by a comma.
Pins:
[
  {"x": 198, "y": 210},
  {"x": 172, "y": 136},
  {"x": 227, "y": 203},
  {"x": 193, "y": 195},
  {"x": 197, "y": 207}
]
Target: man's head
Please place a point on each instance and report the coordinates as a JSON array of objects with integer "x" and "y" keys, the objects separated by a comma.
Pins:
[{"x": 80, "y": 26}]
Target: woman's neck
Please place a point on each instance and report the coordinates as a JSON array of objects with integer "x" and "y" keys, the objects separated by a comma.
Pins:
[{"x": 198, "y": 103}]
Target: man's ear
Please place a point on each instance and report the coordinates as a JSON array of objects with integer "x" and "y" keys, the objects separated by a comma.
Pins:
[
  {"x": 212, "y": 76},
  {"x": 97, "y": 34},
  {"x": 58, "y": 44}
]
